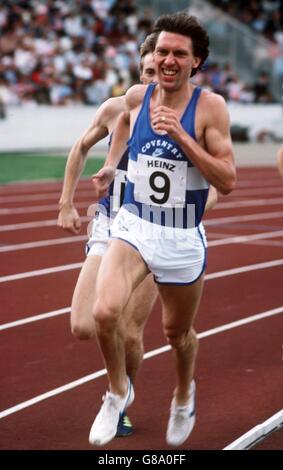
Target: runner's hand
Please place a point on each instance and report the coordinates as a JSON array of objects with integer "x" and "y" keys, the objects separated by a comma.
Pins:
[
  {"x": 101, "y": 182},
  {"x": 69, "y": 219},
  {"x": 165, "y": 119}
]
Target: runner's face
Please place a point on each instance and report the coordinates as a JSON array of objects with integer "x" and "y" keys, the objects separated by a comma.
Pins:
[
  {"x": 174, "y": 60},
  {"x": 148, "y": 74}
]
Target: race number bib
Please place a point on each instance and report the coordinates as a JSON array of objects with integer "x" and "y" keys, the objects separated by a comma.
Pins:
[
  {"x": 119, "y": 189},
  {"x": 160, "y": 182}
]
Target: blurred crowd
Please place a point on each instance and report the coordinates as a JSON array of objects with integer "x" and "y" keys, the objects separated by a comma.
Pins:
[
  {"x": 263, "y": 16},
  {"x": 83, "y": 51},
  {"x": 58, "y": 52},
  {"x": 223, "y": 80}
]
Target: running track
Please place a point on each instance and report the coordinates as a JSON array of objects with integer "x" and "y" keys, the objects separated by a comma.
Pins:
[{"x": 51, "y": 384}]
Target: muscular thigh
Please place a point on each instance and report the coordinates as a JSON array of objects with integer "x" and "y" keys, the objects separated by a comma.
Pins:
[
  {"x": 141, "y": 303},
  {"x": 84, "y": 293},
  {"x": 122, "y": 270},
  {"x": 180, "y": 304}
]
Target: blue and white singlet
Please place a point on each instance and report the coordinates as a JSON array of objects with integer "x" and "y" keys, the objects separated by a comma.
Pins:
[
  {"x": 110, "y": 204},
  {"x": 163, "y": 186}
]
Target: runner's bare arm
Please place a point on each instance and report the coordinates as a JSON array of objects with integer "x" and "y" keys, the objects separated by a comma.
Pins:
[
  {"x": 133, "y": 99},
  {"x": 103, "y": 179},
  {"x": 102, "y": 124},
  {"x": 216, "y": 161},
  {"x": 211, "y": 198}
]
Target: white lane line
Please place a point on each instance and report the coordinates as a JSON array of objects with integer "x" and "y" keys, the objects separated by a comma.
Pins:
[
  {"x": 259, "y": 183},
  {"x": 43, "y": 196},
  {"x": 42, "y": 243},
  {"x": 253, "y": 192},
  {"x": 155, "y": 352},
  {"x": 42, "y": 316},
  {"x": 67, "y": 267},
  {"x": 35, "y": 224},
  {"x": 267, "y": 243},
  {"x": 53, "y": 313},
  {"x": 225, "y": 240},
  {"x": 34, "y": 209},
  {"x": 256, "y": 433},
  {"x": 211, "y": 221},
  {"x": 243, "y": 321},
  {"x": 245, "y": 238},
  {"x": 211, "y": 233},
  {"x": 38, "y": 186},
  {"x": 244, "y": 269},
  {"x": 40, "y": 272},
  {"x": 220, "y": 205},
  {"x": 249, "y": 203},
  {"x": 242, "y": 218}
]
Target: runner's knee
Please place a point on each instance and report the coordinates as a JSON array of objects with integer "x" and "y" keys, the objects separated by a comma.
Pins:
[
  {"x": 133, "y": 340},
  {"x": 181, "y": 340},
  {"x": 82, "y": 329},
  {"x": 81, "y": 332},
  {"x": 105, "y": 315}
]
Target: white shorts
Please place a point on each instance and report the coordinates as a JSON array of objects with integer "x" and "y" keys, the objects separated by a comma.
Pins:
[
  {"x": 173, "y": 255},
  {"x": 100, "y": 235}
]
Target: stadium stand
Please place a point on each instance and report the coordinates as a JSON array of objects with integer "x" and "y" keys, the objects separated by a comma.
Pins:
[{"x": 82, "y": 52}]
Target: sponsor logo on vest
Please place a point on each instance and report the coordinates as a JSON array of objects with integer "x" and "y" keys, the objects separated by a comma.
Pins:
[
  {"x": 161, "y": 164},
  {"x": 162, "y": 144}
]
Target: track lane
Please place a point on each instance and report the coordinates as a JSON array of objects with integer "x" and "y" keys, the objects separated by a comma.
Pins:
[
  {"x": 56, "y": 255},
  {"x": 209, "y": 313},
  {"x": 226, "y": 398},
  {"x": 41, "y": 343}
]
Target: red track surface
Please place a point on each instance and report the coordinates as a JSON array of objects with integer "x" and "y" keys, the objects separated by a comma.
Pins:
[{"x": 239, "y": 371}]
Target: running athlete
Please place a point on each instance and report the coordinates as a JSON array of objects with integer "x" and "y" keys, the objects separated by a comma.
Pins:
[
  {"x": 144, "y": 297},
  {"x": 179, "y": 144},
  {"x": 280, "y": 160}
]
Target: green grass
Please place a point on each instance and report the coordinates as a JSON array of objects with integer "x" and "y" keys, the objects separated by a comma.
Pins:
[{"x": 26, "y": 167}]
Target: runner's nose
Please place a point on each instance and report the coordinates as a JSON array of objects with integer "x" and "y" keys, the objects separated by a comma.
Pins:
[{"x": 170, "y": 59}]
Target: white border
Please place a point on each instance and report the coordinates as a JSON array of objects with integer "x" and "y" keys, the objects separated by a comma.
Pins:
[{"x": 256, "y": 433}]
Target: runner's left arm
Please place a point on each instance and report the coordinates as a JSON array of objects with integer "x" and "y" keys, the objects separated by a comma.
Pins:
[{"x": 216, "y": 160}]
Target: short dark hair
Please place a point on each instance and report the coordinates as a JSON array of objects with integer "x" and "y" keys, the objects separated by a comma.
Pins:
[
  {"x": 148, "y": 45},
  {"x": 182, "y": 23}
]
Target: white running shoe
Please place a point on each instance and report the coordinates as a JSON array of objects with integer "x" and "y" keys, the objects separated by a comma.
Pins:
[
  {"x": 182, "y": 420},
  {"x": 104, "y": 427}
]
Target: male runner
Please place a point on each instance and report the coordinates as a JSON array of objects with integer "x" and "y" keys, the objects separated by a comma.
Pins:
[
  {"x": 179, "y": 144},
  {"x": 144, "y": 297}
]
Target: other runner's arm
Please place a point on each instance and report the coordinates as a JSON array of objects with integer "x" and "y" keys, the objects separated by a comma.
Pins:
[
  {"x": 105, "y": 176},
  {"x": 69, "y": 218},
  {"x": 211, "y": 198}
]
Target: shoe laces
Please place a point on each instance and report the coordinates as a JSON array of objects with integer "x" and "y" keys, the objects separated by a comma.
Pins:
[
  {"x": 110, "y": 402},
  {"x": 180, "y": 412}
]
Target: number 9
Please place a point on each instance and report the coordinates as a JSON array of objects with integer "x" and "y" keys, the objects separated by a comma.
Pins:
[{"x": 165, "y": 188}]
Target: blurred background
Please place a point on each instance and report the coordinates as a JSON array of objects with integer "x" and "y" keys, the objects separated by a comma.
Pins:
[{"x": 59, "y": 60}]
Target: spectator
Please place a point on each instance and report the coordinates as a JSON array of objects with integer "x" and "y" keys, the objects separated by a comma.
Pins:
[
  {"x": 261, "y": 89},
  {"x": 119, "y": 88},
  {"x": 82, "y": 52}
]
